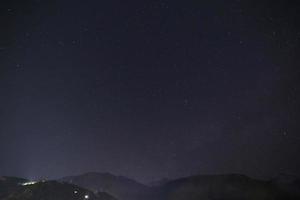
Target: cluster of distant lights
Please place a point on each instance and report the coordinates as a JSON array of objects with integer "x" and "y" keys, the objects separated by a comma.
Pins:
[
  {"x": 29, "y": 183},
  {"x": 34, "y": 182},
  {"x": 85, "y": 196}
]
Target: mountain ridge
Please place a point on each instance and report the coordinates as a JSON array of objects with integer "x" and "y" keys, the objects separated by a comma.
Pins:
[
  {"x": 106, "y": 186},
  {"x": 120, "y": 187}
]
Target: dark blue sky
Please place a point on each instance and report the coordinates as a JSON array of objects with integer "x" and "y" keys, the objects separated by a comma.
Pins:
[{"x": 149, "y": 89}]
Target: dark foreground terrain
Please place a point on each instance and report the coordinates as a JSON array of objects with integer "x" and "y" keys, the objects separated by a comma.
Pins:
[
  {"x": 12, "y": 189},
  {"x": 105, "y": 186}
]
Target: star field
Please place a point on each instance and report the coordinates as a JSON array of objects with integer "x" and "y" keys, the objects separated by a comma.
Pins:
[{"x": 149, "y": 89}]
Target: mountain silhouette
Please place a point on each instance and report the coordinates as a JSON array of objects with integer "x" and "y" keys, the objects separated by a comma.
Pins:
[
  {"x": 228, "y": 186},
  {"x": 120, "y": 187},
  {"x": 18, "y": 189},
  {"x": 106, "y": 186}
]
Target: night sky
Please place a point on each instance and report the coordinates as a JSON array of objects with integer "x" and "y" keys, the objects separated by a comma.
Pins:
[{"x": 149, "y": 89}]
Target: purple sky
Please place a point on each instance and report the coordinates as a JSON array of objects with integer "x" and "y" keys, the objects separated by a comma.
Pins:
[{"x": 149, "y": 89}]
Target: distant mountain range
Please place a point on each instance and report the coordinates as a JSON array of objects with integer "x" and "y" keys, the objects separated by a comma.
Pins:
[
  {"x": 231, "y": 187},
  {"x": 201, "y": 187},
  {"x": 106, "y": 186}
]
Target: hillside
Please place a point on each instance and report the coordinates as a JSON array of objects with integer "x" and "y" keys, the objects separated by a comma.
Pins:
[
  {"x": 119, "y": 186},
  {"x": 231, "y": 187},
  {"x": 52, "y": 190},
  {"x": 106, "y": 186},
  {"x": 9, "y": 185},
  {"x": 288, "y": 183}
]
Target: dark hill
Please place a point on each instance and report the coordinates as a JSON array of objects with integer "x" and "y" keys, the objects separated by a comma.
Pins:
[
  {"x": 220, "y": 187},
  {"x": 52, "y": 190},
  {"x": 288, "y": 183},
  {"x": 9, "y": 185},
  {"x": 119, "y": 186}
]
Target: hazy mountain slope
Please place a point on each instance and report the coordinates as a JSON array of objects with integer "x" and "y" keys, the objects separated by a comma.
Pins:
[
  {"x": 9, "y": 185},
  {"x": 159, "y": 182},
  {"x": 212, "y": 187},
  {"x": 121, "y": 187},
  {"x": 201, "y": 187},
  {"x": 52, "y": 190}
]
